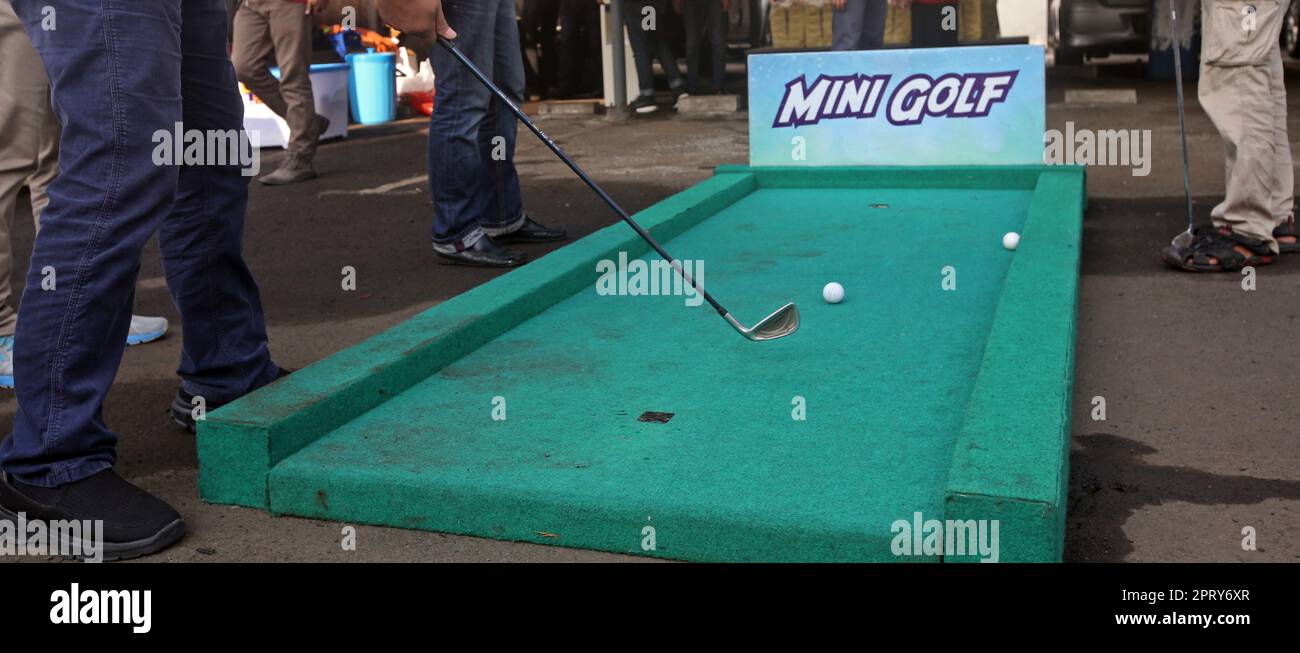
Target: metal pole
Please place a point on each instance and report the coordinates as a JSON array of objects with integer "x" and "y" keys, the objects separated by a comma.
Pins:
[
  {"x": 618, "y": 60},
  {"x": 1182, "y": 114}
]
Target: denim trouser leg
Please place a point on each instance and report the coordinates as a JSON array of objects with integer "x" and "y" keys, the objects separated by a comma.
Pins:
[
  {"x": 718, "y": 39},
  {"x": 706, "y": 16},
  {"x": 122, "y": 74},
  {"x": 663, "y": 50},
  {"x": 472, "y": 179},
  {"x": 579, "y": 47},
  {"x": 860, "y": 25},
  {"x": 507, "y": 212},
  {"x": 641, "y": 58},
  {"x": 647, "y": 43},
  {"x": 225, "y": 354}
]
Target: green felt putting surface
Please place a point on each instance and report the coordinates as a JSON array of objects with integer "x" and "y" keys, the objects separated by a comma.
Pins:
[{"x": 900, "y": 392}]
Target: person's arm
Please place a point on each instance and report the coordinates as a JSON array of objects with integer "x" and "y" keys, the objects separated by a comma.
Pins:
[{"x": 419, "y": 18}]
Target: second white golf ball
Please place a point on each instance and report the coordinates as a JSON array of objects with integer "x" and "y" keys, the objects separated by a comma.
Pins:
[
  {"x": 833, "y": 293},
  {"x": 1011, "y": 240}
]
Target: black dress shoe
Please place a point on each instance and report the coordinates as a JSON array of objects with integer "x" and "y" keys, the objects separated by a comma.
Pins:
[
  {"x": 531, "y": 232},
  {"x": 135, "y": 523},
  {"x": 182, "y": 408},
  {"x": 484, "y": 254}
]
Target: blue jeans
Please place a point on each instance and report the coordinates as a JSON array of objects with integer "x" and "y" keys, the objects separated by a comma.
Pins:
[
  {"x": 860, "y": 25},
  {"x": 648, "y": 45},
  {"x": 475, "y": 192},
  {"x": 122, "y": 73},
  {"x": 706, "y": 16}
]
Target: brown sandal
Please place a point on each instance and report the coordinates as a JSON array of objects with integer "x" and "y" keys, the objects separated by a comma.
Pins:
[{"x": 1218, "y": 250}]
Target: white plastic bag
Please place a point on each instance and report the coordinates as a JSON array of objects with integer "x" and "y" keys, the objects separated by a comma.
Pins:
[{"x": 409, "y": 78}]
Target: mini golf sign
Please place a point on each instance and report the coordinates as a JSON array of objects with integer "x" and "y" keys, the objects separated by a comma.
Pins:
[{"x": 945, "y": 106}]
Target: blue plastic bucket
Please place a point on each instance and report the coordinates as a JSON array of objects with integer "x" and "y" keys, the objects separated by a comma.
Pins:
[{"x": 372, "y": 87}]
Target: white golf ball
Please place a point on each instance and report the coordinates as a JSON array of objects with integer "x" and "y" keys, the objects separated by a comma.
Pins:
[
  {"x": 833, "y": 293},
  {"x": 1011, "y": 240}
]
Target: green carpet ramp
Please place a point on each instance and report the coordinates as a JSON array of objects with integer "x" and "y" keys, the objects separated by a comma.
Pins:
[{"x": 953, "y": 405}]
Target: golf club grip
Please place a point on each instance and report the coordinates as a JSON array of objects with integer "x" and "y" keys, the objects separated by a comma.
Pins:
[{"x": 519, "y": 113}]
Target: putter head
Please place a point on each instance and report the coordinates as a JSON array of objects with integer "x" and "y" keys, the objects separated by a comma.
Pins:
[
  {"x": 781, "y": 323},
  {"x": 1184, "y": 240}
]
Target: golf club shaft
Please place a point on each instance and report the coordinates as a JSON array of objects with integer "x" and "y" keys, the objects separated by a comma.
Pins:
[
  {"x": 645, "y": 235},
  {"x": 1182, "y": 116}
]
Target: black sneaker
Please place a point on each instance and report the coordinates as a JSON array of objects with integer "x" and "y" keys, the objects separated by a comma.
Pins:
[
  {"x": 136, "y": 523},
  {"x": 182, "y": 408},
  {"x": 679, "y": 92},
  {"x": 644, "y": 104}
]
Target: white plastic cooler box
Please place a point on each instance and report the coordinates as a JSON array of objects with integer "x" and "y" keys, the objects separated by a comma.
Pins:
[{"x": 329, "y": 86}]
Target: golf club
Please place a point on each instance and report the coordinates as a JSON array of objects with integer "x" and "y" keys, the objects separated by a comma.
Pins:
[
  {"x": 1183, "y": 240},
  {"x": 782, "y": 322}
]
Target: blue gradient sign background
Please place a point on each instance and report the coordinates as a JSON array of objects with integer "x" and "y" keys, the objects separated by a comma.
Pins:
[{"x": 1011, "y": 133}]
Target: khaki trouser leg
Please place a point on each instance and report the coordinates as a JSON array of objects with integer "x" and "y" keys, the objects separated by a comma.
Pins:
[
  {"x": 279, "y": 30},
  {"x": 29, "y": 142},
  {"x": 1239, "y": 57},
  {"x": 8, "y": 196},
  {"x": 1284, "y": 167},
  {"x": 47, "y": 161}
]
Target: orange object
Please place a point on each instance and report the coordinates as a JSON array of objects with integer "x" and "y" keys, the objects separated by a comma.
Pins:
[
  {"x": 370, "y": 39},
  {"x": 422, "y": 102}
]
